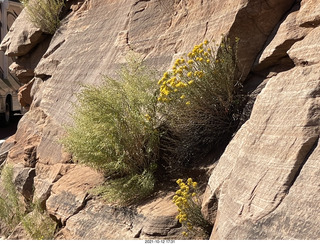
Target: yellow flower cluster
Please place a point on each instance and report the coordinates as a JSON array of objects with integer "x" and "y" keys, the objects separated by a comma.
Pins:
[
  {"x": 184, "y": 72},
  {"x": 185, "y": 199}
]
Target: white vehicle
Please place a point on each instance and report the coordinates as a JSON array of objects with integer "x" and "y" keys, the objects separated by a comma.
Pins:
[{"x": 9, "y": 85}]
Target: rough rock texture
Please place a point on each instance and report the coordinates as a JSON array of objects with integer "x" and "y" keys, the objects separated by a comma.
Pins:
[
  {"x": 266, "y": 180},
  {"x": 155, "y": 219},
  {"x": 21, "y": 38},
  {"x": 263, "y": 169}
]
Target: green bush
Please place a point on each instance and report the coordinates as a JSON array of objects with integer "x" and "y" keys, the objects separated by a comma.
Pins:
[
  {"x": 115, "y": 131},
  {"x": 38, "y": 224},
  {"x": 200, "y": 101},
  {"x": 11, "y": 207},
  {"x": 44, "y": 14},
  {"x": 12, "y": 211}
]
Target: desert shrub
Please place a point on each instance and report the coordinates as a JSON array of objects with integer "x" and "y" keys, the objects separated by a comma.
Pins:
[
  {"x": 12, "y": 211},
  {"x": 38, "y": 224},
  {"x": 44, "y": 14},
  {"x": 200, "y": 101},
  {"x": 187, "y": 199},
  {"x": 115, "y": 131},
  {"x": 11, "y": 207}
]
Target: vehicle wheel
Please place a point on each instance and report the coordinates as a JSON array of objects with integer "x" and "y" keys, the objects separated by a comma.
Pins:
[{"x": 6, "y": 116}]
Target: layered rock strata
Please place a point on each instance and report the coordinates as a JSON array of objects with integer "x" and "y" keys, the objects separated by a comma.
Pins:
[
  {"x": 265, "y": 182},
  {"x": 261, "y": 167}
]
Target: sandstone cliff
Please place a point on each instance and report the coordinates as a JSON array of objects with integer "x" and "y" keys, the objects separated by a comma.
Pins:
[{"x": 264, "y": 185}]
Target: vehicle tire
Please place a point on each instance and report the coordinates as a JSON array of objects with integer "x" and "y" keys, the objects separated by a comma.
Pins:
[{"x": 5, "y": 117}]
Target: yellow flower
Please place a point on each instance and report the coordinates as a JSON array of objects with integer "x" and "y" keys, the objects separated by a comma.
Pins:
[
  {"x": 190, "y": 82},
  {"x": 205, "y": 42},
  {"x": 195, "y": 184},
  {"x": 165, "y": 91},
  {"x": 208, "y": 61},
  {"x": 189, "y": 74},
  {"x": 200, "y": 74},
  {"x": 181, "y": 84},
  {"x": 188, "y": 103},
  {"x": 183, "y": 96},
  {"x": 190, "y": 61},
  {"x": 179, "y": 181},
  {"x": 209, "y": 50},
  {"x": 189, "y": 181}
]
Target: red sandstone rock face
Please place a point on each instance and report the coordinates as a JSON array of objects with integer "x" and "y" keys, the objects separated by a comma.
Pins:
[
  {"x": 260, "y": 178},
  {"x": 265, "y": 180}
]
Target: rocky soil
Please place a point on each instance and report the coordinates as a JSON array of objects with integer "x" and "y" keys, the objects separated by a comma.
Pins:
[{"x": 264, "y": 186}]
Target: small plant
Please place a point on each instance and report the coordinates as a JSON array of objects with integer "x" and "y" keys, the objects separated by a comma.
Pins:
[
  {"x": 200, "y": 100},
  {"x": 38, "y": 224},
  {"x": 44, "y": 14},
  {"x": 189, "y": 206},
  {"x": 11, "y": 207},
  {"x": 115, "y": 131},
  {"x": 12, "y": 211}
]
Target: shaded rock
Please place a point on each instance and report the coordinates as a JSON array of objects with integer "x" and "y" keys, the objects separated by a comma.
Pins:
[
  {"x": 23, "y": 74},
  {"x": 46, "y": 175},
  {"x": 160, "y": 218},
  {"x": 27, "y": 136},
  {"x": 23, "y": 66},
  {"x": 159, "y": 226},
  {"x": 309, "y": 14},
  {"x": 24, "y": 94},
  {"x": 253, "y": 23},
  {"x": 281, "y": 39},
  {"x": 23, "y": 180},
  {"x": 69, "y": 194},
  {"x": 22, "y": 37},
  {"x": 111, "y": 222},
  {"x": 104, "y": 222}
]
